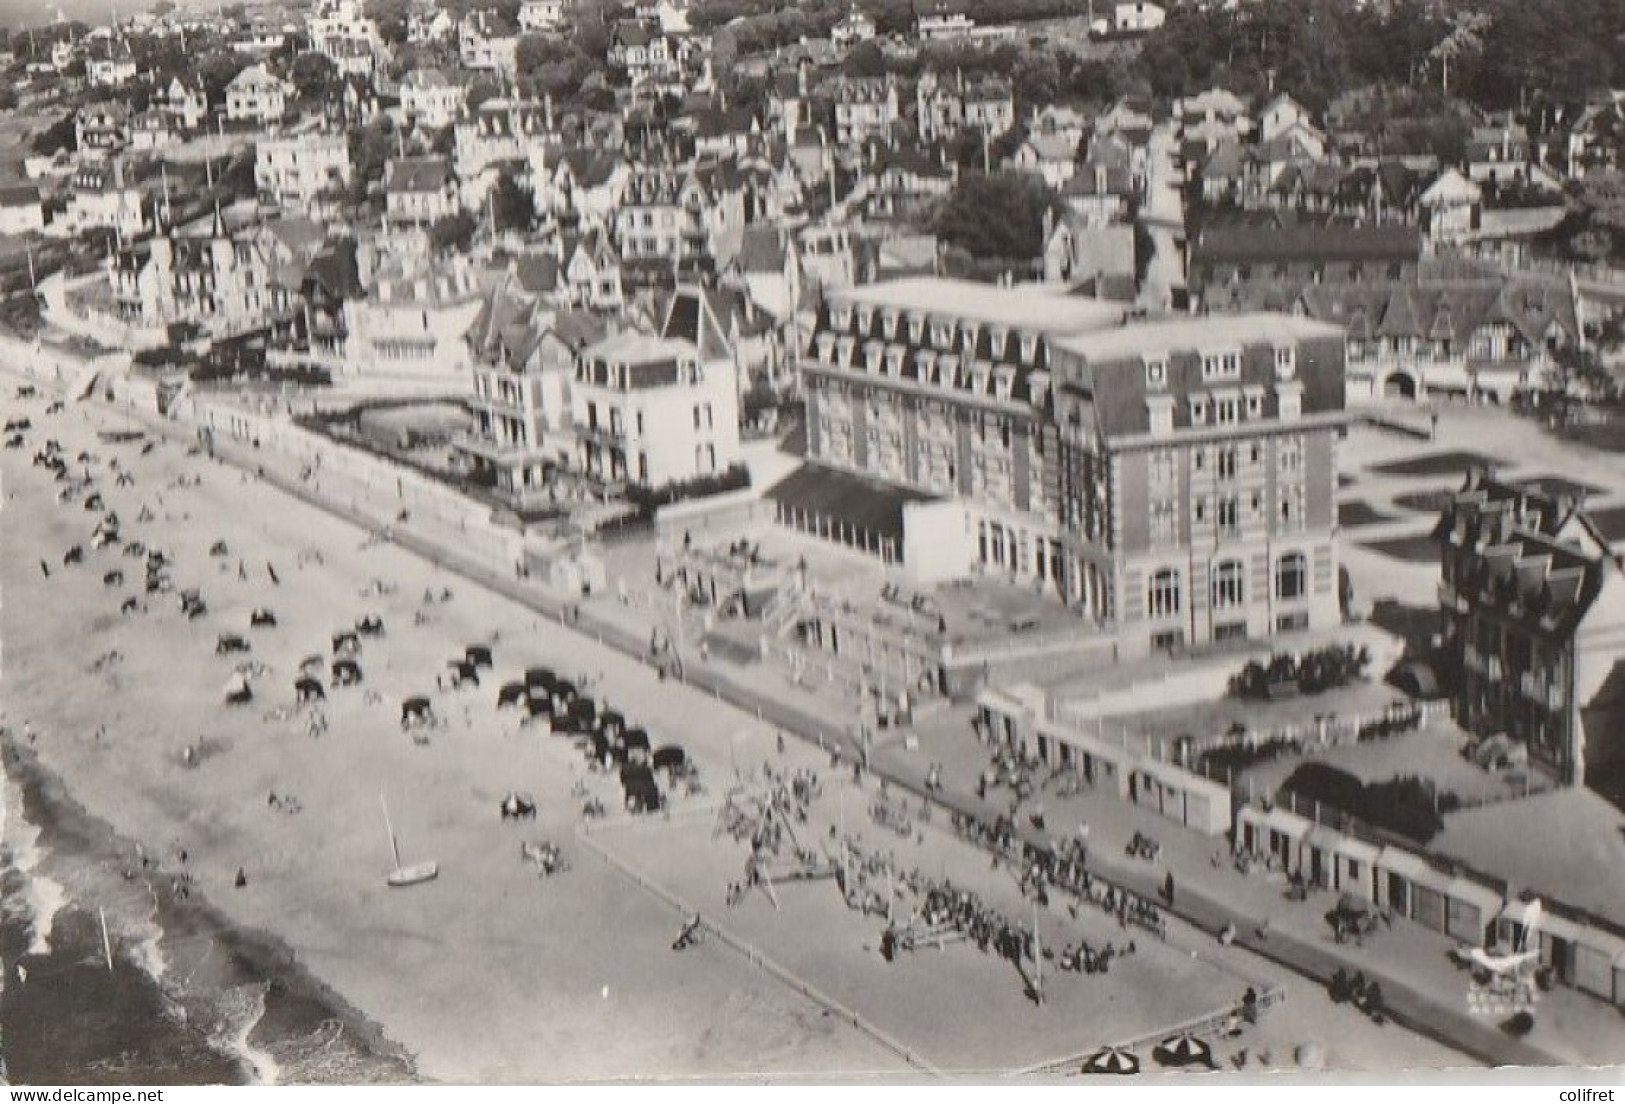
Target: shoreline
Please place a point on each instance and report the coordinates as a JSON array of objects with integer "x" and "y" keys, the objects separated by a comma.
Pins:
[{"x": 293, "y": 1004}]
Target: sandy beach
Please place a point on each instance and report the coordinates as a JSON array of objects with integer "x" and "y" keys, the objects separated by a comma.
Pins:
[{"x": 489, "y": 973}]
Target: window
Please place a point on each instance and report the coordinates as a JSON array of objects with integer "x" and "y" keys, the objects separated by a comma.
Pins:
[
  {"x": 1227, "y": 463},
  {"x": 1198, "y": 412},
  {"x": 1225, "y": 411},
  {"x": 1221, "y": 366},
  {"x": 866, "y": 319},
  {"x": 1291, "y": 577},
  {"x": 916, "y": 328},
  {"x": 1297, "y": 622},
  {"x": 1156, "y": 374},
  {"x": 1029, "y": 346},
  {"x": 1163, "y": 597},
  {"x": 1164, "y": 470},
  {"x": 1168, "y": 641},
  {"x": 1229, "y": 516},
  {"x": 1164, "y": 522},
  {"x": 1255, "y": 406},
  {"x": 1227, "y": 585},
  {"x": 1286, "y": 361}
]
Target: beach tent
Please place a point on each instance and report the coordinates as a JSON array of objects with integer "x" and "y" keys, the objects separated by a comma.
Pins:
[
  {"x": 612, "y": 723},
  {"x": 478, "y": 654},
  {"x": 511, "y": 693},
  {"x": 669, "y": 757},
  {"x": 540, "y": 676}
]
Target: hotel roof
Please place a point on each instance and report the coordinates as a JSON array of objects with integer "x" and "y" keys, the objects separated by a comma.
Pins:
[
  {"x": 1176, "y": 334},
  {"x": 1030, "y": 307}
]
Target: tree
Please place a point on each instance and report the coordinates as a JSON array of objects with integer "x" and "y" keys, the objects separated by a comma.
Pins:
[
  {"x": 313, "y": 76},
  {"x": 1466, "y": 36},
  {"x": 512, "y": 207},
  {"x": 60, "y": 135},
  {"x": 453, "y": 234},
  {"x": 998, "y": 216},
  {"x": 392, "y": 17}
]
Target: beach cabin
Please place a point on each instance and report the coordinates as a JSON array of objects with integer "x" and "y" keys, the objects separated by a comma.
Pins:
[
  {"x": 1416, "y": 889},
  {"x": 1354, "y": 868},
  {"x": 1274, "y": 834},
  {"x": 1599, "y": 960},
  {"x": 1181, "y": 796},
  {"x": 1470, "y": 910}
]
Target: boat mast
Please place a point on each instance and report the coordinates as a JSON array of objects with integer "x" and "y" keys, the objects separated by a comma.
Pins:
[{"x": 393, "y": 845}]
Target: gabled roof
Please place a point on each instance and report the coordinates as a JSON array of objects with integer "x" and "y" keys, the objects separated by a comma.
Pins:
[
  {"x": 537, "y": 273},
  {"x": 761, "y": 249}
]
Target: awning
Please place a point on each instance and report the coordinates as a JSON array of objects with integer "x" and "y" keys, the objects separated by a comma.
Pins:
[
  {"x": 1407, "y": 865},
  {"x": 1288, "y": 823},
  {"x": 867, "y": 505},
  {"x": 1357, "y": 849},
  {"x": 1474, "y": 893}
]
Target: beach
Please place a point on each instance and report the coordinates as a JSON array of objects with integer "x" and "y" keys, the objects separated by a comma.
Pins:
[{"x": 488, "y": 973}]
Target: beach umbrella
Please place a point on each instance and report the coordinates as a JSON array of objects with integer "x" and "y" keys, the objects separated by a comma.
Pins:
[
  {"x": 1184, "y": 1050},
  {"x": 1113, "y": 1060}
]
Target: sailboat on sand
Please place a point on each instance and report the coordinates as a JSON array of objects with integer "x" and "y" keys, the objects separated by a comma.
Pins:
[{"x": 403, "y": 876}]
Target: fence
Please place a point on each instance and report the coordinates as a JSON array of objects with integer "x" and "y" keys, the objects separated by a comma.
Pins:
[
  {"x": 1202, "y": 1026},
  {"x": 756, "y": 958}
]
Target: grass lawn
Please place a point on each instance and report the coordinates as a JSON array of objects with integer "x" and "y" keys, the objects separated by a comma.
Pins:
[
  {"x": 1352, "y": 515},
  {"x": 1417, "y": 549},
  {"x": 1454, "y": 462}
]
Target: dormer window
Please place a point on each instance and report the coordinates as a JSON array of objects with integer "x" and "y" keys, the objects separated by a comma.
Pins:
[
  {"x": 1029, "y": 346},
  {"x": 842, "y": 317},
  {"x": 888, "y": 325},
  {"x": 872, "y": 353},
  {"x": 866, "y": 319},
  {"x": 942, "y": 335},
  {"x": 1221, "y": 366},
  {"x": 968, "y": 337},
  {"x": 1156, "y": 374},
  {"x": 846, "y": 345},
  {"x": 947, "y": 370},
  {"x": 1160, "y": 412},
  {"x": 894, "y": 362},
  {"x": 916, "y": 329},
  {"x": 1286, "y": 362},
  {"x": 1198, "y": 411},
  {"x": 1003, "y": 381},
  {"x": 998, "y": 336},
  {"x": 1290, "y": 397},
  {"x": 826, "y": 348}
]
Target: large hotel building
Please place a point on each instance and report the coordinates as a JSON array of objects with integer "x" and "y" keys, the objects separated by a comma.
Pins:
[{"x": 1172, "y": 479}]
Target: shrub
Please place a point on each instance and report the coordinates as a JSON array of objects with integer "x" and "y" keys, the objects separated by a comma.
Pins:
[{"x": 1315, "y": 672}]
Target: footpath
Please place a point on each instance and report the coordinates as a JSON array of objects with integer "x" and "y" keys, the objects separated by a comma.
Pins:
[{"x": 1429, "y": 999}]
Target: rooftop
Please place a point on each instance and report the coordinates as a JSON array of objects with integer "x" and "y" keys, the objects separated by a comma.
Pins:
[
  {"x": 632, "y": 347},
  {"x": 1567, "y": 845},
  {"x": 1191, "y": 333},
  {"x": 1026, "y": 307}
]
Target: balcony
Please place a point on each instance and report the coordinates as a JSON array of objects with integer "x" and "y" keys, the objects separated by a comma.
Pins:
[{"x": 502, "y": 454}]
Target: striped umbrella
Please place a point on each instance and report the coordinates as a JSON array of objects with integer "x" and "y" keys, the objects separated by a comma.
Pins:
[
  {"x": 1184, "y": 1050},
  {"x": 1113, "y": 1060}
]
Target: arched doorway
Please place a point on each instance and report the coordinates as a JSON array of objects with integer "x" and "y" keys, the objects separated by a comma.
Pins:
[{"x": 1400, "y": 385}]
